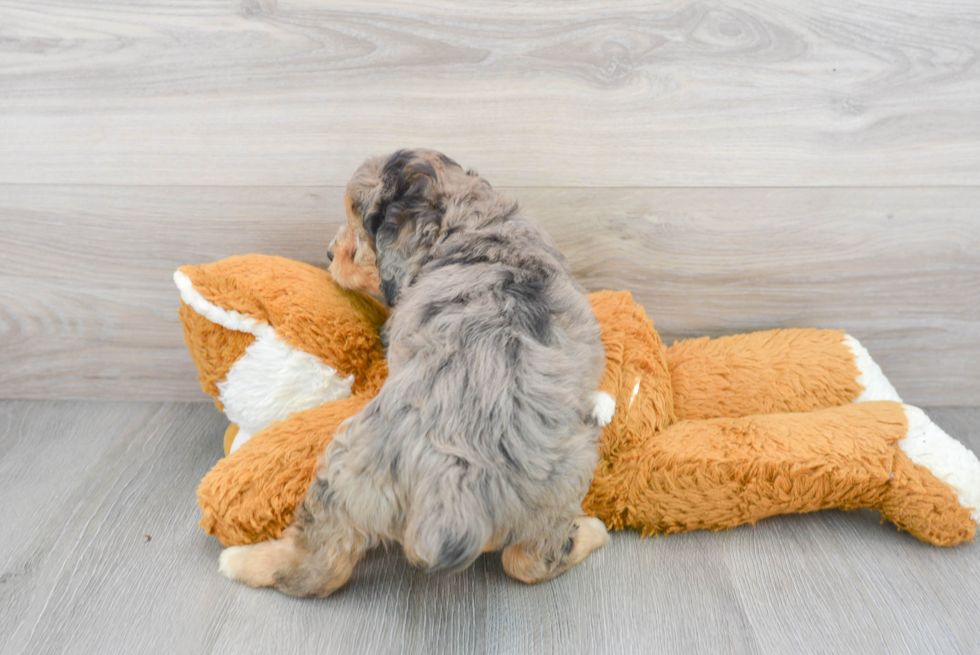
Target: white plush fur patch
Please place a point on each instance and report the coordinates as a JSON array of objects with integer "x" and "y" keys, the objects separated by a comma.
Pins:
[
  {"x": 603, "y": 408},
  {"x": 927, "y": 445},
  {"x": 636, "y": 390},
  {"x": 876, "y": 385},
  {"x": 271, "y": 380},
  {"x": 240, "y": 438}
]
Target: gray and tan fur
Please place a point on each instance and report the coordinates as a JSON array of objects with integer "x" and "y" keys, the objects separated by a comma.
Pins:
[{"x": 482, "y": 437}]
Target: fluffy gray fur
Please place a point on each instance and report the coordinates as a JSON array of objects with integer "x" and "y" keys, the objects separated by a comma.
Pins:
[{"x": 482, "y": 437}]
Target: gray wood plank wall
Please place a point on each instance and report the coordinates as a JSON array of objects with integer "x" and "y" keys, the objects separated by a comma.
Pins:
[{"x": 737, "y": 165}]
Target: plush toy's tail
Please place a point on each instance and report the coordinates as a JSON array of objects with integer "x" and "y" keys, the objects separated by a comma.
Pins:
[{"x": 720, "y": 473}]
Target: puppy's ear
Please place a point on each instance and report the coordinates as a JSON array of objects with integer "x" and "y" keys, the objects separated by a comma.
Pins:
[
  {"x": 391, "y": 286},
  {"x": 409, "y": 192},
  {"x": 409, "y": 202}
]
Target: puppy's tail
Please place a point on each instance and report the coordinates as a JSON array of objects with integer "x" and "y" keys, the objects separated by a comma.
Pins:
[{"x": 448, "y": 530}]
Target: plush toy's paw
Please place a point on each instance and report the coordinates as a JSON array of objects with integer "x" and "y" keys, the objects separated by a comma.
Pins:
[
  {"x": 590, "y": 537},
  {"x": 934, "y": 489},
  {"x": 946, "y": 458}
]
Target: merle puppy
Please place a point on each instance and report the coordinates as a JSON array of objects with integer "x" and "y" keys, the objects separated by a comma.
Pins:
[{"x": 484, "y": 436}]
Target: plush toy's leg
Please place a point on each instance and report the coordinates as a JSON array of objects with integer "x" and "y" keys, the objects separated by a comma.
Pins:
[
  {"x": 236, "y": 504},
  {"x": 539, "y": 560},
  {"x": 719, "y": 473},
  {"x": 772, "y": 372}
]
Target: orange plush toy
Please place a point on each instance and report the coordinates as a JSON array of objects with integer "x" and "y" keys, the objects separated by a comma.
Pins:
[{"x": 706, "y": 434}]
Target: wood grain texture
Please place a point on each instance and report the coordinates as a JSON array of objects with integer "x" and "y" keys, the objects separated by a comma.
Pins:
[
  {"x": 88, "y": 307},
  {"x": 592, "y": 93},
  {"x": 84, "y": 482}
]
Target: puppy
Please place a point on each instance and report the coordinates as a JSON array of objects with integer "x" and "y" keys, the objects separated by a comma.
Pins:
[{"x": 484, "y": 435}]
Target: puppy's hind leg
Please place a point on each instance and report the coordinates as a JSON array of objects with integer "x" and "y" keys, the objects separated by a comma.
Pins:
[
  {"x": 539, "y": 560},
  {"x": 314, "y": 557},
  {"x": 261, "y": 564}
]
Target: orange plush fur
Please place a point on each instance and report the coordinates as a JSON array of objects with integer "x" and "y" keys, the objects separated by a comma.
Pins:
[{"x": 706, "y": 434}]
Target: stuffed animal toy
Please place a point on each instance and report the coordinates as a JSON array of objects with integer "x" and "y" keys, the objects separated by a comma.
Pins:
[{"x": 705, "y": 434}]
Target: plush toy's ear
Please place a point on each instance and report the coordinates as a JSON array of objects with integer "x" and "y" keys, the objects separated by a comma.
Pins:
[
  {"x": 271, "y": 337},
  {"x": 213, "y": 348}
]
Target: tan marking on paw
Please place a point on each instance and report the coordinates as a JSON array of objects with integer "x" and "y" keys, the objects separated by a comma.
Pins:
[
  {"x": 521, "y": 567},
  {"x": 257, "y": 565},
  {"x": 590, "y": 537},
  {"x": 496, "y": 541}
]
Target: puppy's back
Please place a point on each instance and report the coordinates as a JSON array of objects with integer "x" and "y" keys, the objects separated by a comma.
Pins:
[{"x": 494, "y": 352}]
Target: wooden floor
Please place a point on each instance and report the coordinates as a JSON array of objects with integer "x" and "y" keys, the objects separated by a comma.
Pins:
[{"x": 100, "y": 552}]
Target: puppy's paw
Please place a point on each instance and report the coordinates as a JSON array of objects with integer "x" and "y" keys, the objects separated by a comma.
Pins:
[
  {"x": 232, "y": 562},
  {"x": 603, "y": 408},
  {"x": 254, "y": 565},
  {"x": 590, "y": 536}
]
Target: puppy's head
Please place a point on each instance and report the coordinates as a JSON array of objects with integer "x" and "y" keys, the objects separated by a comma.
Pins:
[{"x": 395, "y": 207}]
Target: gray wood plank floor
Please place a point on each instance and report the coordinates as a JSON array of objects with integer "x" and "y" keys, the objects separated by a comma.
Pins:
[{"x": 100, "y": 553}]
